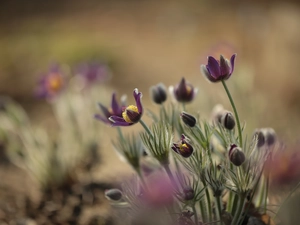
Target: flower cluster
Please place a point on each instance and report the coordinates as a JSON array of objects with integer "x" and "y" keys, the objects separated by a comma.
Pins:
[{"x": 210, "y": 161}]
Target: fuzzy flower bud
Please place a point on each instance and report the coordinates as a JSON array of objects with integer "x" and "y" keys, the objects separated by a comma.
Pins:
[
  {"x": 158, "y": 93},
  {"x": 188, "y": 193},
  {"x": 113, "y": 194},
  {"x": 270, "y": 136},
  {"x": 188, "y": 119},
  {"x": 227, "y": 120},
  {"x": 236, "y": 155}
]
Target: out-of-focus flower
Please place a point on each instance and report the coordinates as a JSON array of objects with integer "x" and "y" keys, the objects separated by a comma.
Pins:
[
  {"x": 113, "y": 194},
  {"x": 114, "y": 110},
  {"x": 183, "y": 148},
  {"x": 158, "y": 93},
  {"x": 236, "y": 155},
  {"x": 265, "y": 136},
  {"x": 183, "y": 92},
  {"x": 284, "y": 166},
  {"x": 188, "y": 119},
  {"x": 159, "y": 191},
  {"x": 51, "y": 83},
  {"x": 131, "y": 114},
  {"x": 93, "y": 73},
  {"x": 216, "y": 71}
]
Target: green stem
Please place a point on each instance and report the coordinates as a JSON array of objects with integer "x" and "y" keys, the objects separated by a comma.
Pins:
[
  {"x": 195, "y": 214},
  {"x": 235, "y": 113},
  {"x": 266, "y": 192},
  {"x": 120, "y": 133},
  {"x": 202, "y": 207},
  {"x": 239, "y": 210},
  {"x": 167, "y": 168},
  {"x": 208, "y": 201},
  {"x": 219, "y": 208},
  {"x": 146, "y": 128}
]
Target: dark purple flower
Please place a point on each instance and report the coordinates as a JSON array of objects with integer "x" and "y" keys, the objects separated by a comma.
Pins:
[
  {"x": 183, "y": 92},
  {"x": 51, "y": 83},
  {"x": 131, "y": 114},
  {"x": 216, "y": 71},
  {"x": 158, "y": 93},
  {"x": 183, "y": 148},
  {"x": 236, "y": 155},
  {"x": 93, "y": 72},
  {"x": 114, "y": 110}
]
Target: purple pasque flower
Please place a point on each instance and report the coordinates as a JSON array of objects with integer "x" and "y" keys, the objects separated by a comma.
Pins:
[
  {"x": 183, "y": 147},
  {"x": 114, "y": 110},
  {"x": 131, "y": 114},
  {"x": 183, "y": 92},
  {"x": 93, "y": 72},
  {"x": 51, "y": 83},
  {"x": 217, "y": 70}
]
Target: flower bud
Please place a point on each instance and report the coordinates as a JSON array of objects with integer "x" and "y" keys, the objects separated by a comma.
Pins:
[
  {"x": 113, "y": 194},
  {"x": 227, "y": 120},
  {"x": 188, "y": 119},
  {"x": 158, "y": 93},
  {"x": 188, "y": 193},
  {"x": 236, "y": 155},
  {"x": 270, "y": 136}
]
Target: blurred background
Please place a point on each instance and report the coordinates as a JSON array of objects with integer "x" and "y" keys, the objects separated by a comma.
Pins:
[{"x": 147, "y": 42}]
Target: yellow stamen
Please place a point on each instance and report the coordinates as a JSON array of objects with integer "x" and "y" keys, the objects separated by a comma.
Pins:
[
  {"x": 183, "y": 146},
  {"x": 188, "y": 89},
  {"x": 55, "y": 82},
  {"x": 124, "y": 114}
]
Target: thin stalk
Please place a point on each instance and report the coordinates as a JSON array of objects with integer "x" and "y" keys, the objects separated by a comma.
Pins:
[
  {"x": 120, "y": 133},
  {"x": 235, "y": 113},
  {"x": 195, "y": 214},
  {"x": 239, "y": 210},
  {"x": 202, "y": 206},
  {"x": 219, "y": 208},
  {"x": 146, "y": 128},
  {"x": 167, "y": 168},
  {"x": 208, "y": 202},
  {"x": 266, "y": 192},
  {"x": 231, "y": 196}
]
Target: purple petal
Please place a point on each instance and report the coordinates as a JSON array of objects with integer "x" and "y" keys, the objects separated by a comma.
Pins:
[
  {"x": 116, "y": 119},
  {"x": 213, "y": 67},
  {"x": 224, "y": 67},
  {"x": 206, "y": 74},
  {"x": 115, "y": 106},
  {"x": 104, "y": 110},
  {"x": 137, "y": 96},
  {"x": 232, "y": 59},
  {"x": 103, "y": 119}
]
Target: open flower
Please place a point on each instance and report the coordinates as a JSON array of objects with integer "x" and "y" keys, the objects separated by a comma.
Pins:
[
  {"x": 183, "y": 92},
  {"x": 183, "y": 148},
  {"x": 216, "y": 71},
  {"x": 114, "y": 110},
  {"x": 51, "y": 83},
  {"x": 131, "y": 114}
]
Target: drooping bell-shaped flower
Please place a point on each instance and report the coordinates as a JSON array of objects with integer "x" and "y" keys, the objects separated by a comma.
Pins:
[
  {"x": 158, "y": 93},
  {"x": 131, "y": 114},
  {"x": 236, "y": 155},
  {"x": 183, "y": 147},
  {"x": 188, "y": 119},
  {"x": 217, "y": 70},
  {"x": 114, "y": 110}
]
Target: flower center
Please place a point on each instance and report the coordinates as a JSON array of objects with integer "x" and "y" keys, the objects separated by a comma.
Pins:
[
  {"x": 183, "y": 146},
  {"x": 124, "y": 114},
  {"x": 55, "y": 82}
]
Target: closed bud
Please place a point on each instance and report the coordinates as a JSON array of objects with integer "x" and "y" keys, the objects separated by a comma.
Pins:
[
  {"x": 270, "y": 136},
  {"x": 188, "y": 193},
  {"x": 158, "y": 93},
  {"x": 188, "y": 119},
  {"x": 227, "y": 120},
  {"x": 236, "y": 155},
  {"x": 113, "y": 194}
]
